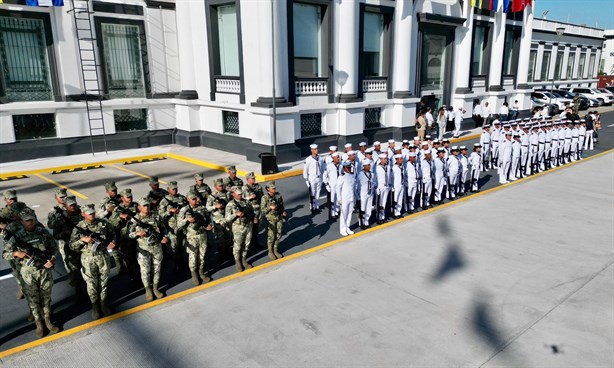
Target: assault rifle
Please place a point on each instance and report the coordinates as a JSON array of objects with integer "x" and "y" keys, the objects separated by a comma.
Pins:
[
  {"x": 100, "y": 240},
  {"x": 153, "y": 236},
  {"x": 36, "y": 257}
]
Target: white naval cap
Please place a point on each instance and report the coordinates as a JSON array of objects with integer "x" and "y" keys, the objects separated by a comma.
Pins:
[
  {"x": 351, "y": 153},
  {"x": 383, "y": 155},
  {"x": 365, "y": 162},
  {"x": 361, "y": 144},
  {"x": 398, "y": 155},
  {"x": 509, "y": 132},
  {"x": 477, "y": 145},
  {"x": 348, "y": 145},
  {"x": 463, "y": 148},
  {"x": 397, "y": 147},
  {"x": 346, "y": 163},
  {"x": 313, "y": 146},
  {"x": 416, "y": 138},
  {"x": 332, "y": 148},
  {"x": 425, "y": 144},
  {"x": 377, "y": 143},
  {"x": 335, "y": 154},
  {"x": 454, "y": 148},
  {"x": 405, "y": 141},
  {"x": 426, "y": 152},
  {"x": 369, "y": 150},
  {"x": 391, "y": 141},
  {"x": 412, "y": 154}
]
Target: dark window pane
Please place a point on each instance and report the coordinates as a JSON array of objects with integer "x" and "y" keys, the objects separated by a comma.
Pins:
[
  {"x": 311, "y": 125},
  {"x": 231, "y": 122},
  {"x": 34, "y": 126},
  {"x": 373, "y": 118},
  {"x": 128, "y": 120}
]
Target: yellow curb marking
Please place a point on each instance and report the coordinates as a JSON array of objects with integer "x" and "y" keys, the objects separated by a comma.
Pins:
[
  {"x": 82, "y": 196},
  {"x": 135, "y": 173},
  {"x": 267, "y": 265}
]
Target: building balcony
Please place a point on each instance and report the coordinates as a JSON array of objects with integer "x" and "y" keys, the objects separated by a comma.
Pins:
[
  {"x": 311, "y": 87},
  {"x": 377, "y": 84},
  {"x": 230, "y": 85}
]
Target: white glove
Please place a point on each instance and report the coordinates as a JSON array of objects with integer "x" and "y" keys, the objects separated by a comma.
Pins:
[
  {"x": 308, "y": 183},
  {"x": 328, "y": 188},
  {"x": 378, "y": 191}
]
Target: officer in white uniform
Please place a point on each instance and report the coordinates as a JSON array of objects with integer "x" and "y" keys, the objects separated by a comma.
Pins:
[
  {"x": 328, "y": 159},
  {"x": 464, "y": 161},
  {"x": 516, "y": 153},
  {"x": 440, "y": 172},
  {"x": 427, "y": 178},
  {"x": 475, "y": 160},
  {"x": 390, "y": 149},
  {"x": 346, "y": 191},
  {"x": 347, "y": 148},
  {"x": 454, "y": 169},
  {"x": 399, "y": 185},
  {"x": 534, "y": 148},
  {"x": 313, "y": 173},
  {"x": 485, "y": 143},
  {"x": 581, "y": 137},
  {"x": 505, "y": 150},
  {"x": 331, "y": 175},
  {"x": 360, "y": 154},
  {"x": 383, "y": 172},
  {"x": 366, "y": 186},
  {"x": 575, "y": 138},
  {"x": 568, "y": 139},
  {"x": 541, "y": 146},
  {"x": 554, "y": 139},
  {"x": 414, "y": 178},
  {"x": 496, "y": 136}
]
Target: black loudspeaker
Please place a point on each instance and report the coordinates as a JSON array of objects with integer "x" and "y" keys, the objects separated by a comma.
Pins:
[{"x": 269, "y": 163}]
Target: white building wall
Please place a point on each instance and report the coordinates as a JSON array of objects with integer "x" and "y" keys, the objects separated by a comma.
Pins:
[{"x": 607, "y": 56}]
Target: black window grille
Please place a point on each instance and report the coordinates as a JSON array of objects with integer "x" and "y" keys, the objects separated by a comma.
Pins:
[
  {"x": 24, "y": 63},
  {"x": 34, "y": 126},
  {"x": 311, "y": 125},
  {"x": 231, "y": 122},
  {"x": 373, "y": 118},
  {"x": 129, "y": 120}
]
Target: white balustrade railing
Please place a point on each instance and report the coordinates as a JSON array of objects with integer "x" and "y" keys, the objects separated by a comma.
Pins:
[
  {"x": 374, "y": 85},
  {"x": 311, "y": 87},
  {"x": 228, "y": 85}
]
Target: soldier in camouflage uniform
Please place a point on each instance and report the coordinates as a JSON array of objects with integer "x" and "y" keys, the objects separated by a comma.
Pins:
[
  {"x": 232, "y": 180},
  {"x": 170, "y": 206},
  {"x": 253, "y": 193},
  {"x": 156, "y": 194},
  {"x": 220, "y": 229},
  {"x": 150, "y": 233},
  {"x": 195, "y": 222},
  {"x": 61, "y": 221},
  {"x": 125, "y": 251},
  {"x": 201, "y": 188},
  {"x": 219, "y": 192},
  {"x": 240, "y": 216},
  {"x": 107, "y": 205},
  {"x": 35, "y": 250},
  {"x": 92, "y": 237},
  {"x": 273, "y": 209},
  {"x": 7, "y": 221}
]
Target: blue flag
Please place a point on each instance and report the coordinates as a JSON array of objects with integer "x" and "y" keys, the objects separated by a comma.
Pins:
[
  {"x": 507, "y": 6},
  {"x": 45, "y": 2}
]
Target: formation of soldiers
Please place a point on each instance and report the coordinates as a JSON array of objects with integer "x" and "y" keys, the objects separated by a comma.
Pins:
[
  {"x": 387, "y": 182},
  {"x": 137, "y": 235},
  {"x": 520, "y": 148}
]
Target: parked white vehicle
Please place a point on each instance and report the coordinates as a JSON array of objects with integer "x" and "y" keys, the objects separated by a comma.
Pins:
[
  {"x": 545, "y": 97},
  {"x": 603, "y": 98}
]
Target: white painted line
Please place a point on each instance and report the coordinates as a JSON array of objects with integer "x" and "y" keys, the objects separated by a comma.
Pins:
[
  {"x": 611, "y": 125},
  {"x": 6, "y": 277},
  {"x": 35, "y": 206}
]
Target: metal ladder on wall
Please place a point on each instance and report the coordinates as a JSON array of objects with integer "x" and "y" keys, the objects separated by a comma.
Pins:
[{"x": 89, "y": 70}]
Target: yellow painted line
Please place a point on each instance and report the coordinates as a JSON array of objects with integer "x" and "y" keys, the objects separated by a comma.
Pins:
[
  {"x": 264, "y": 266},
  {"x": 467, "y": 138},
  {"x": 134, "y": 173},
  {"x": 72, "y": 167},
  {"x": 82, "y": 196}
]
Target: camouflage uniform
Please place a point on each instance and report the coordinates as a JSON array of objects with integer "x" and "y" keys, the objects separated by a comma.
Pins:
[
  {"x": 61, "y": 223},
  {"x": 108, "y": 202},
  {"x": 7, "y": 222},
  {"x": 149, "y": 249},
  {"x": 155, "y": 195},
  {"x": 95, "y": 259},
  {"x": 229, "y": 182},
  {"x": 275, "y": 220},
  {"x": 241, "y": 228},
  {"x": 203, "y": 190},
  {"x": 248, "y": 191},
  {"x": 125, "y": 251},
  {"x": 195, "y": 237},
  {"x": 220, "y": 228},
  {"x": 175, "y": 235},
  {"x": 222, "y": 195},
  {"x": 37, "y": 280}
]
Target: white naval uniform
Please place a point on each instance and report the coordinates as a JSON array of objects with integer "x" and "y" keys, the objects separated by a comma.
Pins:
[
  {"x": 485, "y": 142},
  {"x": 554, "y": 146},
  {"x": 581, "y": 140},
  {"x": 534, "y": 141},
  {"x": 414, "y": 175},
  {"x": 399, "y": 183},
  {"x": 548, "y": 148},
  {"x": 313, "y": 175},
  {"x": 464, "y": 161},
  {"x": 525, "y": 161},
  {"x": 475, "y": 160},
  {"x": 568, "y": 138},
  {"x": 440, "y": 171},
  {"x": 458, "y": 119},
  {"x": 346, "y": 191},
  {"x": 366, "y": 185},
  {"x": 427, "y": 181},
  {"x": 516, "y": 153},
  {"x": 331, "y": 176},
  {"x": 384, "y": 178},
  {"x": 496, "y": 137},
  {"x": 575, "y": 135},
  {"x": 505, "y": 150},
  {"x": 453, "y": 172},
  {"x": 541, "y": 148}
]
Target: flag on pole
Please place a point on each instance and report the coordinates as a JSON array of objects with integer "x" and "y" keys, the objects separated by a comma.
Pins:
[
  {"x": 44, "y": 2},
  {"x": 507, "y": 6}
]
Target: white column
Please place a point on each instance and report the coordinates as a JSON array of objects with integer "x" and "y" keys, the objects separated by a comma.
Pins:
[
  {"x": 462, "y": 60},
  {"x": 537, "y": 75},
  {"x": 269, "y": 21},
  {"x": 576, "y": 61},
  {"x": 403, "y": 20},
  {"x": 525, "y": 49},
  {"x": 496, "y": 52},
  {"x": 186, "y": 53},
  {"x": 553, "y": 60},
  {"x": 587, "y": 59},
  {"x": 346, "y": 48},
  {"x": 593, "y": 73},
  {"x": 565, "y": 62}
]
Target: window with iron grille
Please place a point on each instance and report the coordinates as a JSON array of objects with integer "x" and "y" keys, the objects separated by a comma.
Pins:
[
  {"x": 373, "y": 118},
  {"x": 231, "y": 122},
  {"x": 311, "y": 125},
  {"x": 124, "y": 53},
  {"x": 129, "y": 120},
  {"x": 24, "y": 61},
  {"x": 34, "y": 126}
]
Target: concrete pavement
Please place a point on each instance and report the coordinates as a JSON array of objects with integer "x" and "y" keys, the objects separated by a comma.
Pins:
[{"x": 525, "y": 282}]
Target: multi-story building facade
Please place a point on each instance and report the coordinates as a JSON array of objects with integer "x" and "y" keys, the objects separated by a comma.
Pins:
[
  {"x": 209, "y": 72},
  {"x": 606, "y": 64}
]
